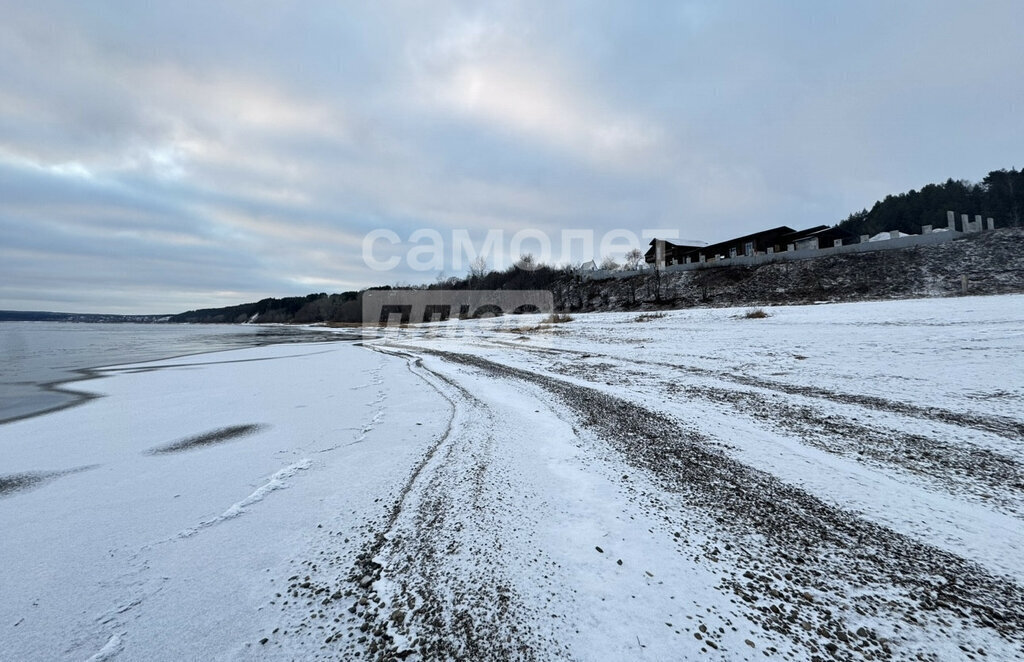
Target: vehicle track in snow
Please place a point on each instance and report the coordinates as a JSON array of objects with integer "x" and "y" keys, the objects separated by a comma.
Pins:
[
  {"x": 431, "y": 580},
  {"x": 807, "y": 571},
  {"x": 1004, "y": 426},
  {"x": 982, "y": 474}
]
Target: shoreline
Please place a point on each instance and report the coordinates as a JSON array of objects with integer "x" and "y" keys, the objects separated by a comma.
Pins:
[
  {"x": 73, "y": 397},
  {"x": 183, "y": 481}
]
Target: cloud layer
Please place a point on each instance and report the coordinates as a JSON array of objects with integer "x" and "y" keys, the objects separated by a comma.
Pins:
[{"x": 160, "y": 158}]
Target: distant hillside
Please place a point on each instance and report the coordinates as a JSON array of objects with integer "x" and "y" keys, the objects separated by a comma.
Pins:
[
  {"x": 999, "y": 195},
  {"x": 309, "y": 309},
  {"x": 44, "y": 316}
]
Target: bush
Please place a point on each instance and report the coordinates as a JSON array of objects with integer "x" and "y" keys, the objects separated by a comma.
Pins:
[
  {"x": 555, "y": 318},
  {"x": 755, "y": 314}
]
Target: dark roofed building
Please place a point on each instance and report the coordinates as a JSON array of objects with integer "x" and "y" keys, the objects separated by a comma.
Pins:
[
  {"x": 674, "y": 253},
  {"x": 775, "y": 240},
  {"x": 821, "y": 236},
  {"x": 758, "y": 242}
]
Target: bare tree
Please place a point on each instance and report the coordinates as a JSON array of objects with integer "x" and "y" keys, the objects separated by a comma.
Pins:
[
  {"x": 633, "y": 258},
  {"x": 609, "y": 264},
  {"x": 527, "y": 262},
  {"x": 478, "y": 268}
]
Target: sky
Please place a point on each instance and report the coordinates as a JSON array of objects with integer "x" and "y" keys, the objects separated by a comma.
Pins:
[{"x": 162, "y": 157}]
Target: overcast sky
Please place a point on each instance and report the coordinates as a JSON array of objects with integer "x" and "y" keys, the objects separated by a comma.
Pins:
[{"x": 158, "y": 157}]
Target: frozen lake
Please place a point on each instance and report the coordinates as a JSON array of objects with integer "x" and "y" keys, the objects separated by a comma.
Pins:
[{"x": 38, "y": 354}]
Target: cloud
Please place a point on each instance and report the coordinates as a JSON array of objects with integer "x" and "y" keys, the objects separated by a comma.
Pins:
[{"x": 195, "y": 154}]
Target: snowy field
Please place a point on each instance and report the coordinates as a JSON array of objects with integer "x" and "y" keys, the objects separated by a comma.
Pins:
[{"x": 841, "y": 481}]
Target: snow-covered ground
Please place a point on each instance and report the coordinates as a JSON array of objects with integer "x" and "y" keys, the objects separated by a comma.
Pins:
[
  {"x": 842, "y": 481},
  {"x": 122, "y": 545}
]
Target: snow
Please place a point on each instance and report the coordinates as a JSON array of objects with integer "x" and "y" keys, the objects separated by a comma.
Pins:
[
  {"x": 173, "y": 556},
  {"x": 887, "y": 235},
  {"x": 499, "y": 473}
]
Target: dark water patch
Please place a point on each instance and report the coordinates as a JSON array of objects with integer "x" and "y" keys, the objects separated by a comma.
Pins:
[
  {"x": 41, "y": 357},
  {"x": 217, "y": 436},
  {"x": 30, "y": 480},
  {"x": 63, "y": 396}
]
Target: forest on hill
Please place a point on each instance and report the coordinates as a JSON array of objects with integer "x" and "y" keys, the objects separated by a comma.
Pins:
[
  {"x": 322, "y": 307},
  {"x": 999, "y": 195}
]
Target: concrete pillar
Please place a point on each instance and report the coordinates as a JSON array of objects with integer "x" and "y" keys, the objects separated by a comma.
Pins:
[
  {"x": 790, "y": 247},
  {"x": 836, "y": 243},
  {"x": 659, "y": 253},
  {"x": 864, "y": 238},
  {"x": 926, "y": 229},
  {"x": 732, "y": 252},
  {"x": 951, "y": 220},
  {"x": 991, "y": 223},
  {"x": 687, "y": 259},
  {"x": 965, "y": 224},
  {"x": 702, "y": 258},
  {"x": 771, "y": 249},
  {"x": 894, "y": 234}
]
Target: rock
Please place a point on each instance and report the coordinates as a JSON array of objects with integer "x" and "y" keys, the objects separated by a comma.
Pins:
[
  {"x": 263, "y": 641},
  {"x": 398, "y": 617},
  {"x": 862, "y": 632},
  {"x": 749, "y": 643},
  {"x": 365, "y": 581},
  {"x": 619, "y": 561},
  {"x": 599, "y": 550},
  {"x": 831, "y": 647}
]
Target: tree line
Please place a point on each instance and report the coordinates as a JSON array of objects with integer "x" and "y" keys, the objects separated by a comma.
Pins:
[
  {"x": 999, "y": 195},
  {"x": 312, "y": 308}
]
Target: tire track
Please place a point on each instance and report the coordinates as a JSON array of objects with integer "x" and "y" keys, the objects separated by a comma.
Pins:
[
  {"x": 811, "y": 571},
  {"x": 1006, "y": 427},
  {"x": 430, "y": 581}
]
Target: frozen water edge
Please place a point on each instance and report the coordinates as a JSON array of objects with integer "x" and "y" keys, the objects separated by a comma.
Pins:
[{"x": 174, "y": 553}]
